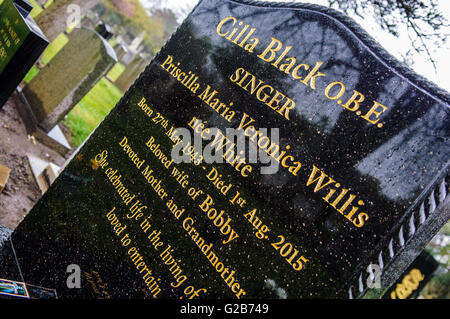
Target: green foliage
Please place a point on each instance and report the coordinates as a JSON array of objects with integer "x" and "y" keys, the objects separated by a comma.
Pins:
[
  {"x": 438, "y": 287},
  {"x": 131, "y": 15}
]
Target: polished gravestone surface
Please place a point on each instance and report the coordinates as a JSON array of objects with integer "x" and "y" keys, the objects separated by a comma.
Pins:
[
  {"x": 360, "y": 145},
  {"x": 11, "y": 280},
  {"x": 21, "y": 44},
  {"x": 24, "y": 6},
  {"x": 9, "y": 269}
]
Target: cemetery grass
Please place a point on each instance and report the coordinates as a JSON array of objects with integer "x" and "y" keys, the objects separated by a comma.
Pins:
[
  {"x": 36, "y": 8},
  {"x": 54, "y": 48},
  {"x": 47, "y": 55},
  {"x": 116, "y": 71},
  {"x": 91, "y": 110}
]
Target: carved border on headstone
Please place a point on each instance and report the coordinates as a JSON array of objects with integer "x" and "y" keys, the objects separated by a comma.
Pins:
[{"x": 435, "y": 202}]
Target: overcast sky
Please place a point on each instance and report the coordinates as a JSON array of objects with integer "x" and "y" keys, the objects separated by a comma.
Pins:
[{"x": 396, "y": 46}]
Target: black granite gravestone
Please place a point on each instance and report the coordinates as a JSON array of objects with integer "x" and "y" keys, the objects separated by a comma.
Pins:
[
  {"x": 24, "y": 6},
  {"x": 104, "y": 30},
  {"x": 9, "y": 269},
  {"x": 345, "y": 165},
  {"x": 11, "y": 279},
  {"x": 414, "y": 279},
  {"x": 21, "y": 44}
]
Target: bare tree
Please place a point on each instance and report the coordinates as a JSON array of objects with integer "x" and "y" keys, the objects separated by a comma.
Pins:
[{"x": 425, "y": 23}]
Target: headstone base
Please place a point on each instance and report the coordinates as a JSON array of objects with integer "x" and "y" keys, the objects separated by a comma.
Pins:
[{"x": 31, "y": 125}]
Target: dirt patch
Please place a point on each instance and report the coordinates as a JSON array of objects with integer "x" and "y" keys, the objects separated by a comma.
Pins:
[{"x": 21, "y": 192}]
